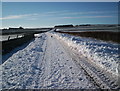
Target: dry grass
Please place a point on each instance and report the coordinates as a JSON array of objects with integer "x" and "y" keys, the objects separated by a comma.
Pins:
[{"x": 102, "y": 35}]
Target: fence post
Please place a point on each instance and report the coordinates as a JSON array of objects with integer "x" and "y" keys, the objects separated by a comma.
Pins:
[
  {"x": 8, "y": 37},
  {"x": 17, "y": 36}
]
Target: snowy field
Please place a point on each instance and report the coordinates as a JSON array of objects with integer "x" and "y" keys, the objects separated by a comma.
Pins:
[{"x": 45, "y": 63}]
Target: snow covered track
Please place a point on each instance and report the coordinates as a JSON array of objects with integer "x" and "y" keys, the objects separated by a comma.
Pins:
[
  {"x": 97, "y": 75},
  {"x": 48, "y": 63}
]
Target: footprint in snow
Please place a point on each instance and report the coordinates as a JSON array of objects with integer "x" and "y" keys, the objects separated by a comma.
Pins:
[
  {"x": 38, "y": 49},
  {"x": 72, "y": 73},
  {"x": 80, "y": 79},
  {"x": 62, "y": 52}
]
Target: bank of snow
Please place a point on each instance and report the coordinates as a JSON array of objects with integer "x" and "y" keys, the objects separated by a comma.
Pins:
[
  {"x": 18, "y": 71},
  {"x": 103, "y": 54}
]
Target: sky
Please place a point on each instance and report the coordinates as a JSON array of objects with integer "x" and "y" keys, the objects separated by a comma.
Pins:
[
  {"x": 60, "y": 0},
  {"x": 49, "y": 14}
]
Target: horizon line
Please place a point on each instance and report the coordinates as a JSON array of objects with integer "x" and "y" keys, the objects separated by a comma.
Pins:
[{"x": 56, "y": 25}]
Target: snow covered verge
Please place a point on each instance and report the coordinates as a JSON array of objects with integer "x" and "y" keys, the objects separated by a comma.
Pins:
[
  {"x": 103, "y": 54},
  {"x": 21, "y": 66}
]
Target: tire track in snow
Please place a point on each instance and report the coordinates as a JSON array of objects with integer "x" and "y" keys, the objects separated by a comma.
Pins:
[
  {"x": 102, "y": 79},
  {"x": 61, "y": 71}
]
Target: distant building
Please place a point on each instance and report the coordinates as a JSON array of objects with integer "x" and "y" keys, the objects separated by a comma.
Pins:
[{"x": 63, "y": 26}]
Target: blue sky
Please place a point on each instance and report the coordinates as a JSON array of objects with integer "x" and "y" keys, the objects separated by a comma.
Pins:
[{"x": 45, "y": 14}]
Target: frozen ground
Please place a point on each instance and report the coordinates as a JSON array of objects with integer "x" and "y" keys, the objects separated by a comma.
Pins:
[{"x": 49, "y": 62}]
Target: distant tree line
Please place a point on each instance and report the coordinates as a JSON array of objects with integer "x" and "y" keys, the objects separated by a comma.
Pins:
[
  {"x": 62, "y": 26},
  {"x": 13, "y": 28}
]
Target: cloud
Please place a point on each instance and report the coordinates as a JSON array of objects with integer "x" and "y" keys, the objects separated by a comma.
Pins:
[
  {"x": 17, "y": 16},
  {"x": 57, "y": 12},
  {"x": 62, "y": 14},
  {"x": 87, "y": 17},
  {"x": 66, "y": 13},
  {"x": 90, "y": 12}
]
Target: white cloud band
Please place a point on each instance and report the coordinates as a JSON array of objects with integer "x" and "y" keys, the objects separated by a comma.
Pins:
[{"x": 16, "y": 16}]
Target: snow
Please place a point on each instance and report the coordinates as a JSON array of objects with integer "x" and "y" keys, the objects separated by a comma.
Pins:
[
  {"x": 44, "y": 63},
  {"x": 22, "y": 64},
  {"x": 103, "y": 54}
]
